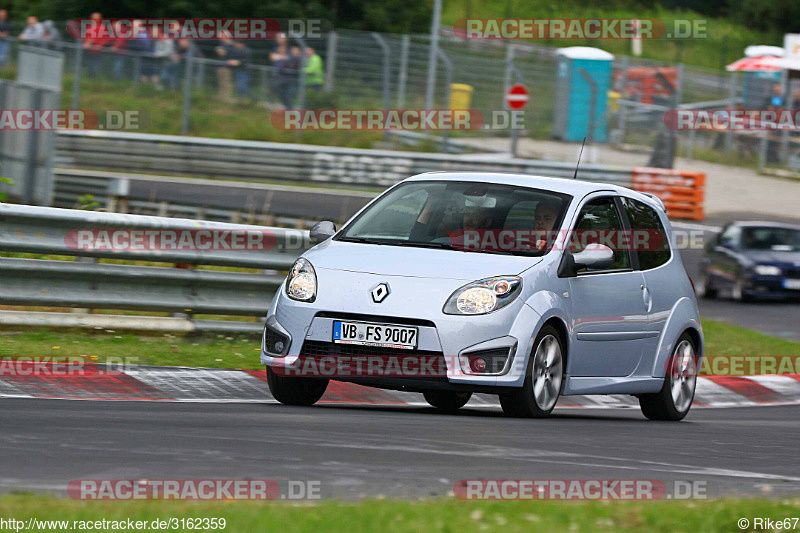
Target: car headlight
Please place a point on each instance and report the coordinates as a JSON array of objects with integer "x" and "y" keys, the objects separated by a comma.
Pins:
[
  {"x": 767, "y": 270},
  {"x": 301, "y": 283},
  {"x": 483, "y": 296}
]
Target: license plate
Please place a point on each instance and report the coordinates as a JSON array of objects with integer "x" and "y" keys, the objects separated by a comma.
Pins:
[
  {"x": 379, "y": 335},
  {"x": 791, "y": 284}
]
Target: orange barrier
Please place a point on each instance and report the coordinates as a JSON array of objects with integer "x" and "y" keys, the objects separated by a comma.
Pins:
[{"x": 682, "y": 192}]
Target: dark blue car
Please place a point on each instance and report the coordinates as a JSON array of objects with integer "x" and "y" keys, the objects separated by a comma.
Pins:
[{"x": 751, "y": 260}]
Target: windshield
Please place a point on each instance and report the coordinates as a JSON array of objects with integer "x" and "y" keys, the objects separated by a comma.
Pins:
[
  {"x": 766, "y": 238},
  {"x": 467, "y": 216}
]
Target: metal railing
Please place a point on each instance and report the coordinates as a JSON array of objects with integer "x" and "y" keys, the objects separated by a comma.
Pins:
[
  {"x": 286, "y": 162},
  {"x": 85, "y": 283}
]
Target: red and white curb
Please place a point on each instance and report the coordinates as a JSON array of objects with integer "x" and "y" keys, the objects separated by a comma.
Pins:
[{"x": 182, "y": 384}]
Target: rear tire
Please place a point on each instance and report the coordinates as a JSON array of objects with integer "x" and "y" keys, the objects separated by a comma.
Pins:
[
  {"x": 295, "y": 391},
  {"x": 448, "y": 401},
  {"x": 544, "y": 376},
  {"x": 675, "y": 398}
]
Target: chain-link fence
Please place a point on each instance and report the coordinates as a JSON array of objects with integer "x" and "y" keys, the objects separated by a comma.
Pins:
[{"x": 365, "y": 70}]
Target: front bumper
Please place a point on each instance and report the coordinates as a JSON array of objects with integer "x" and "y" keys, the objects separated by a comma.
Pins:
[
  {"x": 511, "y": 328},
  {"x": 771, "y": 286}
]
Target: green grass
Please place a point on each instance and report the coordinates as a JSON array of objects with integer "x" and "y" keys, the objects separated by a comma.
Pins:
[
  {"x": 242, "y": 351},
  {"x": 448, "y": 515}
]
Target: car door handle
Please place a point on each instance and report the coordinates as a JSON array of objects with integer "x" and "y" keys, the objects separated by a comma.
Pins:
[{"x": 647, "y": 299}]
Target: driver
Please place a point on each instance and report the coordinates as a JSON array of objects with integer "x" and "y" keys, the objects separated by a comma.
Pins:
[{"x": 544, "y": 222}]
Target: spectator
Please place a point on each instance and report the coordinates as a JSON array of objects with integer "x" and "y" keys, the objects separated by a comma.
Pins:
[
  {"x": 163, "y": 51},
  {"x": 118, "y": 48},
  {"x": 224, "y": 75},
  {"x": 239, "y": 58},
  {"x": 33, "y": 32},
  {"x": 279, "y": 50},
  {"x": 94, "y": 41},
  {"x": 314, "y": 70},
  {"x": 288, "y": 76},
  {"x": 5, "y": 33},
  {"x": 141, "y": 45},
  {"x": 51, "y": 37}
]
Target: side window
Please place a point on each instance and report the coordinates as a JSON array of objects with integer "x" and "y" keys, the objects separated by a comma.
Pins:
[
  {"x": 598, "y": 222},
  {"x": 649, "y": 238},
  {"x": 730, "y": 237}
]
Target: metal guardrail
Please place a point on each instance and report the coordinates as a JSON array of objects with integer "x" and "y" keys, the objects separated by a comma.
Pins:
[
  {"x": 82, "y": 284},
  {"x": 286, "y": 162}
]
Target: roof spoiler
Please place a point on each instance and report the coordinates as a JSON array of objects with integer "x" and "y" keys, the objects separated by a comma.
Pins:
[{"x": 656, "y": 199}]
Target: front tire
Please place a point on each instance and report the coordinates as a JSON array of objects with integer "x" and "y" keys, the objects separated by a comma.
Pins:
[
  {"x": 543, "y": 378},
  {"x": 675, "y": 398},
  {"x": 448, "y": 401},
  {"x": 704, "y": 287},
  {"x": 295, "y": 391}
]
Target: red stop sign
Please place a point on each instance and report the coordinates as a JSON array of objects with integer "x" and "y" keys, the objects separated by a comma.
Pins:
[{"x": 517, "y": 96}]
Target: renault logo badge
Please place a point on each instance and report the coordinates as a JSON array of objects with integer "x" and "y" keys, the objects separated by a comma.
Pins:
[{"x": 380, "y": 293}]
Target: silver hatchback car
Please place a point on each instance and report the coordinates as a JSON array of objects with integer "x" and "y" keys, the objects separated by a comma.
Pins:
[{"x": 526, "y": 287}]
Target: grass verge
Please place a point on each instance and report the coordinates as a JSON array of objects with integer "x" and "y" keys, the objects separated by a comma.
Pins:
[
  {"x": 242, "y": 351},
  {"x": 428, "y": 515}
]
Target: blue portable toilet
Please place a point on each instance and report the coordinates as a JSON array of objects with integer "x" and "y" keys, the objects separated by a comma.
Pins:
[{"x": 575, "y": 97}]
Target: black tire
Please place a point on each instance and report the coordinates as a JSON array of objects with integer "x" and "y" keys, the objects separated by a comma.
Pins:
[
  {"x": 522, "y": 402},
  {"x": 661, "y": 405},
  {"x": 295, "y": 391},
  {"x": 445, "y": 400}
]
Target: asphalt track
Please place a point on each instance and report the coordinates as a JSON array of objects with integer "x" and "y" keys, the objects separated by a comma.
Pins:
[{"x": 366, "y": 451}]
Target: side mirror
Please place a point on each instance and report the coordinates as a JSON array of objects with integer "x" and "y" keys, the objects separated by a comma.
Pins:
[
  {"x": 597, "y": 256},
  {"x": 322, "y": 231}
]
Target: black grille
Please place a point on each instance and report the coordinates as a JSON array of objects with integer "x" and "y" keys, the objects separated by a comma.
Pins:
[
  {"x": 495, "y": 359},
  {"x": 271, "y": 337},
  {"x": 330, "y": 348},
  {"x": 416, "y": 363},
  {"x": 792, "y": 272}
]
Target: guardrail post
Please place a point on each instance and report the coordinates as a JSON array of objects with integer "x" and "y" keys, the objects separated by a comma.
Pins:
[
  {"x": 330, "y": 68},
  {"x": 401, "y": 86},
  {"x": 76, "y": 80}
]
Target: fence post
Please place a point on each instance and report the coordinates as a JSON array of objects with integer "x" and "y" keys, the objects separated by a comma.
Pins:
[
  {"x": 731, "y": 97},
  {"x": 401, "y": 87},
  {"x": 386, "y": 73},
  {"x": 187, "y": 90},
  {"x": 76, "y": 80},
  {"x": 433, "y": 53},
  {"x": 330, "y": 68},
  {"x": 301, "y": 76},
  {"x": 448, "y": 64}
]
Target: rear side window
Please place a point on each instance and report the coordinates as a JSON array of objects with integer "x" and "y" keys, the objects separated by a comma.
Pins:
[{"x": 649, "y": 239}]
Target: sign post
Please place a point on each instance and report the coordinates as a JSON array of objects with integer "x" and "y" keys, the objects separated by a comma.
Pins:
[{"x": 516, "y": 99}]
